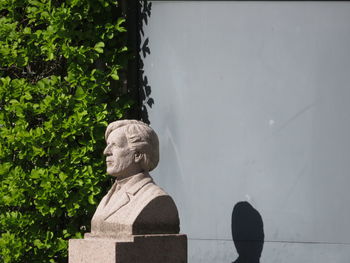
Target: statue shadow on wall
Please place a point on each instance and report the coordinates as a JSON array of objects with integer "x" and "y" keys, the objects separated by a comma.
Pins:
[
  {"x": 145, "y": 89},
  {"x": 247, "y": 233}
]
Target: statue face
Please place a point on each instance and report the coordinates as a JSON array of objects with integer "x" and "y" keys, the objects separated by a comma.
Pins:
[{"x": 120, "y": 159}]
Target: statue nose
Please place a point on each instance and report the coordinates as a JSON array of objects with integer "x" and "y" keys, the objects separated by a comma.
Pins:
[{"x": 107, "y": 151}]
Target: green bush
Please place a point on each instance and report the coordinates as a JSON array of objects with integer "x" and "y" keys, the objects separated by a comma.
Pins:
[{"x": 60, "y": 63}]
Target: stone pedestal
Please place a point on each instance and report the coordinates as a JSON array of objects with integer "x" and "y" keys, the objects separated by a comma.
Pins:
[{"x": 139, "y": 249}]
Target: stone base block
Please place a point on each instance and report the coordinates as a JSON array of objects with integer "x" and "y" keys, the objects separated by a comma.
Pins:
[{"x": 143, "y": 249}]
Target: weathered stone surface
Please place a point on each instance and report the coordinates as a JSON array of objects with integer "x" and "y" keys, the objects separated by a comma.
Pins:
[
  {"x": 134, "y": 205},
  {"x": 92, "y": 250},
  {"x": 136, "y": 221},
  {"x": 145, "y": 249},
  {"x": 138, "y": 207}
]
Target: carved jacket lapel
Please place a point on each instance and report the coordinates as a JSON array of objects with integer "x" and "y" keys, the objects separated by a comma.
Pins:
[
  {"x": 127, "y": 192},
  {"x": 121, "y": 200}
]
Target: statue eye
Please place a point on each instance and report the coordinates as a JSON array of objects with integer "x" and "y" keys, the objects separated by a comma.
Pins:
[{"x": 114, "y": 145}]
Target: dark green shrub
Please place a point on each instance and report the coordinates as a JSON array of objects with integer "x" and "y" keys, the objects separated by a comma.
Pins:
[{"x": 60, "y": 62}]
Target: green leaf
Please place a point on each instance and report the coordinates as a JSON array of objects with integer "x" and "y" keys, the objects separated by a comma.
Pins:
[
  {"x": 119, "y": 26},
  {"x": 27, "y": 30},
  {"x": 115, "y": 76},
  {"x": 79, "y": 93},
  {"x": 91, "y": 199},
  {"x": 99, "y": 47}
]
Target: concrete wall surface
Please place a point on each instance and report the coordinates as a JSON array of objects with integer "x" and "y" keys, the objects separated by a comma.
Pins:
[{"x": 252, "y": 105}]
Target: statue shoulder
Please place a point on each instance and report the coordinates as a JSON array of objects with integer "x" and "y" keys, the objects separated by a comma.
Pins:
[
  {"x": 153, "y": 190},
  {"x": 159, "y": 214}
]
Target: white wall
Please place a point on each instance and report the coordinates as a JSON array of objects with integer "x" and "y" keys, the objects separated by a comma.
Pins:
[{"x": 252, "y": 103}]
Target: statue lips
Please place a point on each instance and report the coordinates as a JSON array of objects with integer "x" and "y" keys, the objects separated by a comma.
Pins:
[{"x": 109, "y": 162}]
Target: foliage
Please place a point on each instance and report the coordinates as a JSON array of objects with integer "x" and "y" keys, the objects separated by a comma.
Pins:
[{"x": 60, "y": 68}]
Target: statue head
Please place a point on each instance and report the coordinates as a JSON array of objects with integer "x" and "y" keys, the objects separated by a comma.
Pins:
[{"x": 132, "y": 147}]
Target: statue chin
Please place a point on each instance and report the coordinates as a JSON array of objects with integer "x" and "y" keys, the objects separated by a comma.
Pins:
[{"x": 114, "y": 173}]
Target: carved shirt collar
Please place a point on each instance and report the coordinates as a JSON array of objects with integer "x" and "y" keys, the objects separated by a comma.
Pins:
[{"x": 132, "y": 184}]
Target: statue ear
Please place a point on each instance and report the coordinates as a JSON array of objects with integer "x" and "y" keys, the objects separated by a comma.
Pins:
[{"x": 138, "y": 157}]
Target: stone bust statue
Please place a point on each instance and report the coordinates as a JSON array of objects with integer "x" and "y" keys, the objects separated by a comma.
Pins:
[{"x": 134, "y": 205}]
